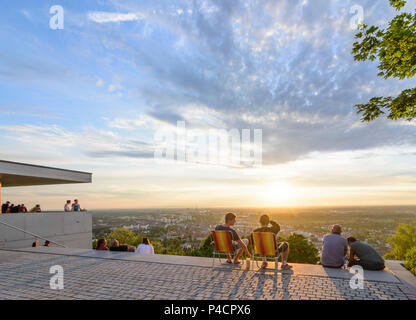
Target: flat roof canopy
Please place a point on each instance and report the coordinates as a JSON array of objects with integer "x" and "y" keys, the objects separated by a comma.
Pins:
[{"x": 14, "y": 174}]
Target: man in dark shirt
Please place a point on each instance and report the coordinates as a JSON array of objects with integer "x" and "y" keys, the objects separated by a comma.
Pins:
[
  {"x": 368, "y": 257},
  {"x": 239, "y": 245},
  {"x": 282, "y": 246},
  {"x": 5, "y": 207},
  {"x": 116, "y": 246}
]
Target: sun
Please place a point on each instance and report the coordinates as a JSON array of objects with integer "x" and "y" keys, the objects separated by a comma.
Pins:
[{"x": 280, "y": 192}]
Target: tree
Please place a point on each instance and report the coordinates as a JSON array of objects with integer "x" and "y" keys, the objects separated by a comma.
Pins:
[
  {"x": 124, "y": 236},
  {"x": 395, "y": 48},
  {"x": 205, "y": 250},
  {"x": 411, "y": 260},
  {"x": 402, "y": 242},
  {"x": 301, "y": 249}
]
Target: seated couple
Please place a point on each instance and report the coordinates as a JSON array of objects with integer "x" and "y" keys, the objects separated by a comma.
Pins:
[
  {"x": 240, "y": 245},
  {"x": 335, "y": 249}
]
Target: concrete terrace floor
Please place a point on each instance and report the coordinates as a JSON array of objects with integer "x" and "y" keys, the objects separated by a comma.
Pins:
[{"x": 90, "y": 274}]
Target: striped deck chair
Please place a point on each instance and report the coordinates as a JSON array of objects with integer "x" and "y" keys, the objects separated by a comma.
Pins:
[
  {"x": 264, "y": 245},
  {"x": 223, "y": 244}
]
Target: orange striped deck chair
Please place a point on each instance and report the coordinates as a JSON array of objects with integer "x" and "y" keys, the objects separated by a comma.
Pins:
[
  {"x": 264, "y": 245},
  {"x": 223, "y": 244}
]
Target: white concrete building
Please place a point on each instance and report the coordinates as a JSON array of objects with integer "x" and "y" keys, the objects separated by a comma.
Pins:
[{"x": 19, "y": 230}]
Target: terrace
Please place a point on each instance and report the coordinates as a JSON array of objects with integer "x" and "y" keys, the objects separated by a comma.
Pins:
[{"x": 90, "y": 274}]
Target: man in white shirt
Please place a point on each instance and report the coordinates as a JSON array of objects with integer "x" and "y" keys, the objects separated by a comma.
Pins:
[{"x": 68, "y": 207}]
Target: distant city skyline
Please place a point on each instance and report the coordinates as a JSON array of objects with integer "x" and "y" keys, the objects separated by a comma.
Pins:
[{"x": 94, "y": 95}]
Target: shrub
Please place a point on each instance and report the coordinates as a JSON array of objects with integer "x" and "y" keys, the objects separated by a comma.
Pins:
[
  {"x": 402, "y": 242},
  {"x": 411, "y": 260},
  {"x": 301, "y": 249}
]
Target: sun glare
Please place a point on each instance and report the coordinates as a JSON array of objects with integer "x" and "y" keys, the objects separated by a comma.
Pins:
[{"x": 280, "y": 193}]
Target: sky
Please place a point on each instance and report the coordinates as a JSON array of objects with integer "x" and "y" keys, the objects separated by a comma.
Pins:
[{"x": 122, "y": 79}]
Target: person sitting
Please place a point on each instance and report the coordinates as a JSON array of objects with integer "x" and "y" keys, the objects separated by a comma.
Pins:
[
  {"x": 239, "y": 245},
  {"x": 368, "y": 257},
  {"x": 22, "y": 208},
  {"x": 35, "y": 244},
  {"x": 282, "y": 246},
  {"x": 102, "y": 244},
  {"x": 76, "y": 206},
  {"x": 14, "y": 209},
  {"x": 68, "y": 207},
  {"x": 5, "y": 207},
  {"x": 116, "y": 246},
  {"x": 146, "y": 247},
  {"x": 334, "y": 249},
  {"x": 47, "y": 243},
  {"x": 36, "y": 209}
]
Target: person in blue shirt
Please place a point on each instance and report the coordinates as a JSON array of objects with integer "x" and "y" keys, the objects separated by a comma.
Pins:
[{"x": 76, "y": 206}]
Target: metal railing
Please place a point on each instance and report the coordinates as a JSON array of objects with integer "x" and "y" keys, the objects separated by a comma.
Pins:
[{"x": 32, "y": 234}]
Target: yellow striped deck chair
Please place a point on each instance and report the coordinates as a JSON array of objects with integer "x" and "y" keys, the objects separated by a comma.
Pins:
[
  {"x": 223, "y": 244},
  {"x": 264, "y": 245}
]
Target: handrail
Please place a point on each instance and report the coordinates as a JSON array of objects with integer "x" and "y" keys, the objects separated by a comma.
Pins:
[{"x": 32, "y": 234}]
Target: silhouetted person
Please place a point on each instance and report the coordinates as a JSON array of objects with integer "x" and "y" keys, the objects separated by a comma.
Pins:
[
  {"x": 35, "y": 244},
  {"x": 22, "y": 208},
  {"x": 47, "y": 243},
  {"x": 282, "y": 246},
  {"x": 5, "y": 207}
]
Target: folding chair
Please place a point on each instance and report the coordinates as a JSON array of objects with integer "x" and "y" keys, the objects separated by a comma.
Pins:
[
  {"x": 264, "y": 245},
  {"x": 223, "y": 244}
]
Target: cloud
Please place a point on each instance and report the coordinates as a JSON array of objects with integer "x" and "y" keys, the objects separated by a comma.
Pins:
[
  {"x": 281, "y": 66},
  {"x": 114, "y": 87}
]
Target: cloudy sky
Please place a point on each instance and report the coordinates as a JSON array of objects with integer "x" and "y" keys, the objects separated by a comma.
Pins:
[{"x": 96, "y": 96}]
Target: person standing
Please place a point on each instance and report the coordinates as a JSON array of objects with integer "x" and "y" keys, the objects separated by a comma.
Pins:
[
  {"x": 5, "y": 207},
  {"x": 68, "y": 207},
  {"x": 76, "y": 206}
]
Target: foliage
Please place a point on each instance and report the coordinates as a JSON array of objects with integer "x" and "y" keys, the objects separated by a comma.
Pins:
[
  {"x": 205, "y": 250},
  {"x": 124, "y": 236},
  {"x": 402, "y": 242},
  {"x": 395, "y": 48},
  {"x": 301, "y": 249},
  {"x": 411, "y": 260}
]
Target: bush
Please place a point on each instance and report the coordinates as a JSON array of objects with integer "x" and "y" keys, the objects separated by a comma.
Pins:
[
  {"x": 402, "y": 242},
  {"x": 205, "y": 250},
  {"x": 124, "y": 236},
  {"x": 301, "y": 249},
  {"x": 411, "y": 260}
]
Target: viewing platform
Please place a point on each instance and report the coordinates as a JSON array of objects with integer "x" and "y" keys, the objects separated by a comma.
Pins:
[{"x": 91, "y": 274}]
